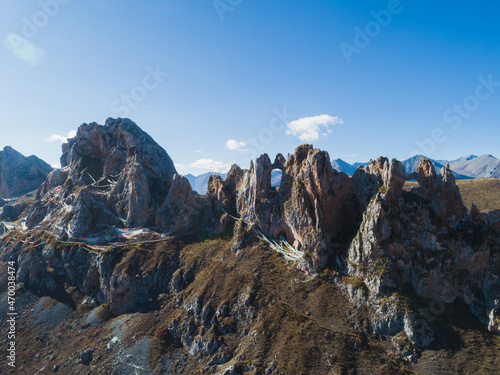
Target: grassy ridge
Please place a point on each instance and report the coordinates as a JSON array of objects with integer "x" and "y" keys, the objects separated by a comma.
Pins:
[{"x": 484, "y": 193}]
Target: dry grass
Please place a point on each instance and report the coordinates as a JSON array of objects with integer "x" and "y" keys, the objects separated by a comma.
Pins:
[{"x": 484, "y": 193}]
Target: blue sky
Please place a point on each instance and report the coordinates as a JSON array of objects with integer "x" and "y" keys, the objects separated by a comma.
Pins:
[{"x": 417, "y": 77}]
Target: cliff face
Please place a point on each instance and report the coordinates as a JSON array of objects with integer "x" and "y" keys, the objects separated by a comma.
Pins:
[
  {"x": 385, "y": 247},
  {"x": 311, "y": 208},
  {"x": 406, "y": 244},
  {"x": 112, "y": 175},
  {"x": 20, "y": 174}
]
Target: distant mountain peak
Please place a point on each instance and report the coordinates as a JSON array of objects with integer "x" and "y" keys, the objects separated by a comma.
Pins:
[
  {"x": 200, "y": 183},
  {"x": 20, "y": 174},
  {"x": 466, "y": 167},
  {"x": 343, "y": 166}
]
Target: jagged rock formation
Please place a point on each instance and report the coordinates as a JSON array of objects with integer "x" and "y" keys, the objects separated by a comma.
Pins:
[
  {"x": 181, "y": 208},
  {"x": 313, "y": 205},
  {"x": 111, "y": 175},
  {"x": 441, "y": 190},
  {"x": 425, "y": 240},
  {"x": 384, "y": 246},
  {"x": 20, "y": 174}
]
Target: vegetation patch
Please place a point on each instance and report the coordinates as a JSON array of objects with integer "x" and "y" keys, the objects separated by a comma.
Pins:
[{"x": 104, "y": 313}]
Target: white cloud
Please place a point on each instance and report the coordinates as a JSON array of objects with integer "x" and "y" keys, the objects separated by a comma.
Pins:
[
  {"x": 235, "y": 145},
  {"x": 199, "y": 152},
  {"x": 309, "y": 129},
  {"x": 181, "y": 168},
  {"x": 209, "y": 165},
  {"x": 23, "y": 49},
  {"x": 61, "y": 137}
]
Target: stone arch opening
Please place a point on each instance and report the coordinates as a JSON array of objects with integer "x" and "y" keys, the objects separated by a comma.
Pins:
[
  {"x": 276, "y": 178},
  {"x": 411, "y": 185}
]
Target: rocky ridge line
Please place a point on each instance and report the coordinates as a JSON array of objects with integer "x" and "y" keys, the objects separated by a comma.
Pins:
[{"x": 376, "y": 239}]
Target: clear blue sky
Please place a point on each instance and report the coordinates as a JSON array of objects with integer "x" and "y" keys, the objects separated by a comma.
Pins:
[{"x": 227, "y": 78}]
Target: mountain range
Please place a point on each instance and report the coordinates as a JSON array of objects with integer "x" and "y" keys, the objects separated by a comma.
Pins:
[
  {"x": 35, "y": 171},
  {"x": 200, "y": 183},
  {"x": 467, "y": 167}
]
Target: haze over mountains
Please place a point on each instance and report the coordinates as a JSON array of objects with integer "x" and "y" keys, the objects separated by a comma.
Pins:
[{"x": 472, "y": 166}]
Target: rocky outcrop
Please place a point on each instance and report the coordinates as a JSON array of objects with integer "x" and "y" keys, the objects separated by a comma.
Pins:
[
  {"x": 423, "y": 239},
  {"x": 20, "y": 174},
  {"x": 311, "y": 208},
  {"x": 181, "y": 208},
  {"x": 381, "y": 241},
  {"x": 440, "y": 189},
  {"x": 315, "y": 207},
  {"x": 127, "y": 281},
  {"x": 112, "y": 175}
]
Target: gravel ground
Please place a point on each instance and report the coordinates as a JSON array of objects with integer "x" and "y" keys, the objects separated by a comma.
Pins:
[
  {"x": 134, "y": 360},
  {"x": 50, "y": 317}
]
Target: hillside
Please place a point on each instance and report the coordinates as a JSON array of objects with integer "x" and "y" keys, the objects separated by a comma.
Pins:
[
  {"x": 244, "y": 312},
  {"x": 484, "y": 193}
]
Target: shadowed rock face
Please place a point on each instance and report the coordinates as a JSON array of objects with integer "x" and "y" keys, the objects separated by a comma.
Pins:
[
  {"x": 20, "y": 174},
  {"x": 181, "y": 208},
  {"x": 424, "y": 239},
  {"x": 440, "y": 189}
]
